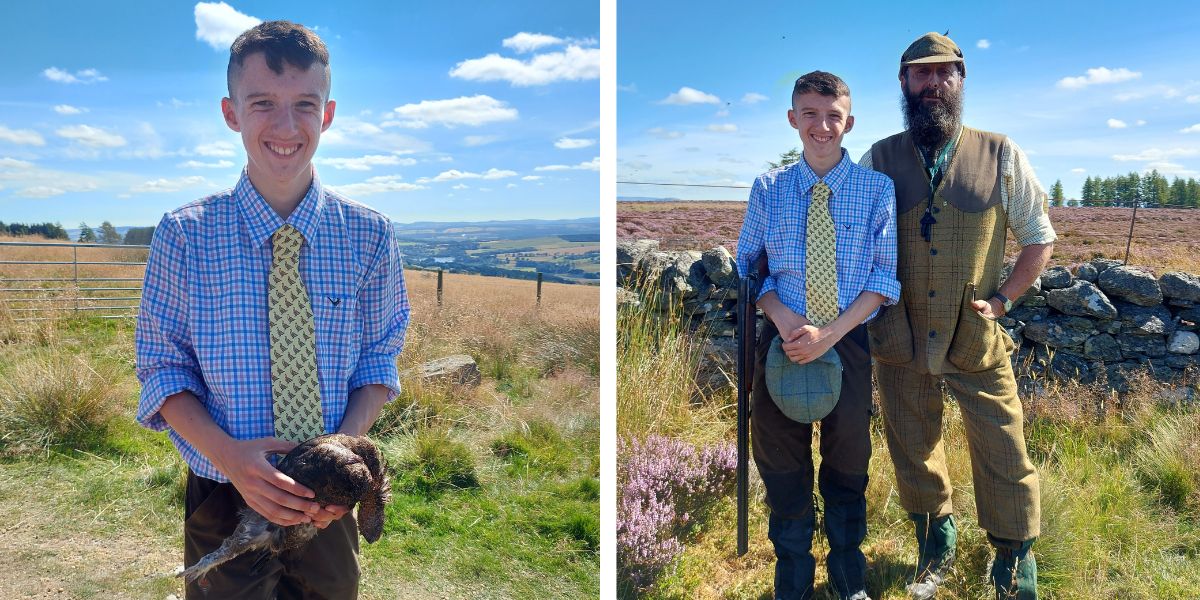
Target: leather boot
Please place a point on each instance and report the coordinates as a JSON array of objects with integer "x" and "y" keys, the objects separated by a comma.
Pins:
[{"x": 936, "y": 541}]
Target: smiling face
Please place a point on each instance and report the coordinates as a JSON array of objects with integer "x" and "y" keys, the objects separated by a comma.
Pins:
[
  {"x": 822, "y": 122},
  {"x": 281, "y": 117}
]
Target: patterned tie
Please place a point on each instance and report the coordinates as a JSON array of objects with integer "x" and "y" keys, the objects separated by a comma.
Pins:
[
  {"x": 293, "y": 348},
  {"x": 821, "y": 271}
]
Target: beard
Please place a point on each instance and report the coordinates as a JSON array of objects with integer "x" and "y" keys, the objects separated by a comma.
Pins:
[{"x": 932, "y": 124}]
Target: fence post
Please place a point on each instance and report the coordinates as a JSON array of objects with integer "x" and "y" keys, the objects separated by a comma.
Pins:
[
  {"x": 439, "y": 293},
  {"x": 539, "y": 289},
  {"x": 75, "y": 260},
  {"x": 1129, "y": 242}
]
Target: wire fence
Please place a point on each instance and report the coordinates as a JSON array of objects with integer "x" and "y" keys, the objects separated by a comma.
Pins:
[
  {"x": 42, "y": 281},
  {"x": 684, "y": 231}
]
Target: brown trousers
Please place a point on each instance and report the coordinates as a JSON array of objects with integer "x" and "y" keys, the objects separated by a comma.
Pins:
[
  {"x": 1006, "y": 483},
  {"x": 325, "y": 569}
]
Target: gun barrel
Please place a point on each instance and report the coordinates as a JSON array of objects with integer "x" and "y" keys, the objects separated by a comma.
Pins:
[{"x": 746, "y": 330}]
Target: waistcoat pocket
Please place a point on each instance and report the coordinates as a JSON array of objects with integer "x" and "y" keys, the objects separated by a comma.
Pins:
[
  {"x": 890, "y": 335},
  {"x": 979, "y": 343}
]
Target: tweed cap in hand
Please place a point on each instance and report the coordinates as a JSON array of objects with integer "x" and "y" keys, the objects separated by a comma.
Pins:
[{"x": 805, "y": 393}]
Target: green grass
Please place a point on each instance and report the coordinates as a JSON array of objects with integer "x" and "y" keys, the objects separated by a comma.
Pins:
[
  {"x": 1120, "y": 484},
  {"x": 96, "y": 508}
]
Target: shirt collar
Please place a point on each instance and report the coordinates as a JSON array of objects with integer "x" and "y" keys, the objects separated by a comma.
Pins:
[
  {"x": 262, "y": 221},
  {"x": 806, "y": 178}
]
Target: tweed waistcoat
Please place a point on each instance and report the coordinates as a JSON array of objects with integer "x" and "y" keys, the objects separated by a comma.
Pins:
[{"x": 933, "y": 328}]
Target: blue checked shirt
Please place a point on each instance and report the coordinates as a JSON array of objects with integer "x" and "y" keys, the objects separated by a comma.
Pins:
[
  {"x": 203, "y": 326},
  {"x": 863, "y": 206}
]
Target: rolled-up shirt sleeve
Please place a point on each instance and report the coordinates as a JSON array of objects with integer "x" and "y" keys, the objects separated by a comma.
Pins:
[
  {"x": 1024, "y": 198},
  {"x": 882, "y": 278},
  {"x": 166, "y": 360},
  {"x": 752, "y": 239},
  {"x": 384, "y": 312}
]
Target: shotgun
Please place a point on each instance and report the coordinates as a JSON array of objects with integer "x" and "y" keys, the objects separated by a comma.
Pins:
[{"x": 747, "y": 342}]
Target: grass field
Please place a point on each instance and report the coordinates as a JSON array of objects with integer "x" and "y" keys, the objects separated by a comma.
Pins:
[
  {"x": 1120, "y": 485},
  {"x": 1162, "y": 237},
  {"x": 496, "y": 491}
]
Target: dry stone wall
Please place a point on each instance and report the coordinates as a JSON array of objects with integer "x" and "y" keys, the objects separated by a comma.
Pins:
[{"x": 1102, "y": 320}]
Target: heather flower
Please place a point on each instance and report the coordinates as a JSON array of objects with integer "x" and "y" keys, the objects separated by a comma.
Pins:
[{"x": 666, "y": 487}]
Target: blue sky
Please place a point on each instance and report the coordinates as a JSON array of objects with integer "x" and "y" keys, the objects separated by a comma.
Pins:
[
  {"x": 111, "y": 111},
  {"x": 1084, "y": 89}
]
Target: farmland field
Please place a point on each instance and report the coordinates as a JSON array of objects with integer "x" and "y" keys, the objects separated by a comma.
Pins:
[{"x": 1163, "y": 238}]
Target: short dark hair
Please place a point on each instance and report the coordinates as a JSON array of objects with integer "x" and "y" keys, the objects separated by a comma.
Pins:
[
  {"x": 279, "y": 41},
  {"x": 825, "y": 84}
]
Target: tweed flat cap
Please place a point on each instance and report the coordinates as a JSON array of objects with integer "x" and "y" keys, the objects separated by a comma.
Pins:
[
  {"x": 932, "y": 48},
  {"x": 805, "y": 393}
]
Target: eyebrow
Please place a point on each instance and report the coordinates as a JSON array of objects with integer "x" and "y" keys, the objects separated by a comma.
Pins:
[{"x": 257, "y": 95}]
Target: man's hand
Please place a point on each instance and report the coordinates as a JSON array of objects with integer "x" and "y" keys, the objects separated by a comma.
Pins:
[
  {"x": 787, "y": 321},
  {"x": 267, "y": 490},
  {"x": 809, "y": 343},
  {"x": 990, "y": 309}
]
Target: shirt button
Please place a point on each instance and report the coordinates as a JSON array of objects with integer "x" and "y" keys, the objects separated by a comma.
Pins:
[
  {"x": 932, "y": 334},
  {"x": 933, "y": 251},
  {"x": 932, "y": 293}
]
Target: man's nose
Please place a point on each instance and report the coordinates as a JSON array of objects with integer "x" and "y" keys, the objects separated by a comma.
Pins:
[{"x": 284, "y": 122}]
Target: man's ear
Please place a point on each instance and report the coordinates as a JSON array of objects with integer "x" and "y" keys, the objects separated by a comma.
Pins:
[
  {"x": 792, "y": 119},
  {"x": 849, "y": 124},
  {"x": 327, "y": 117},
  {"x": 230, "y": 115}
]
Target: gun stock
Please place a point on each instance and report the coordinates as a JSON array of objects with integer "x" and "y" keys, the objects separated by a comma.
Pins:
[{"x": 746, "y": 343}]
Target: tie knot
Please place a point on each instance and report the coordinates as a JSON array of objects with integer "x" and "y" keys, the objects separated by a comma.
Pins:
[
  {"x": 287, "y": 241},
  {"x": 821, "y": 191}
]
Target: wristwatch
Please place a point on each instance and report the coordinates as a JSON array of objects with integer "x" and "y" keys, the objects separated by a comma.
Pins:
[{"x": 1005, "y": 301}]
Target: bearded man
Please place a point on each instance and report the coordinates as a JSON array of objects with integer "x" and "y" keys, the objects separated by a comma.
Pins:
[{"x": 958, "y": 192}]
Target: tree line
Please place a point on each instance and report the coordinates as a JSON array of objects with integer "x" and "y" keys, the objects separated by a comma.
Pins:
[
  {"x": 107, "y": 234},
  {"x": 1148, "y": 189},
  {"x": 52, "y": 231}
]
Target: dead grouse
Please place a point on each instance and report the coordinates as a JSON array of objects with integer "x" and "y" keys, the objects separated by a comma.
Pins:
[{"x": 340, "y": 469}]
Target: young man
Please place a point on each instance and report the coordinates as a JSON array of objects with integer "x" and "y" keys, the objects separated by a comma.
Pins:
[
  {"x": 958, "y": 190},
  {"x": 827, "y": 228},
  {"x": 271, "y": 313}
]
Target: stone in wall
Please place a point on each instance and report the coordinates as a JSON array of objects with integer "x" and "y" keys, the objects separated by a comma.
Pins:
[
  {"x": 1180, "y": 286},
  {"x": 1056, "y": 278},
  {"x": 1060, "y": 331},
  {"x": 720, "y": 267},
  {"x": 630, "y": 255},
  {"x": 1133, "y": 284},
  {"x": 1184, "y": 342},
  {"x": 1081, "y": 299}
]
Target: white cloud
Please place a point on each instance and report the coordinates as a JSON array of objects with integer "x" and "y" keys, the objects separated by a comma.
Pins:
[
  {"x": 687, "y": 95},
  {"x": 195, "y": 164},
  {"x": 91, "y": 136},
  {"x": 175, "y": 103},
  {"x": 361, "y": 136},
  {"x": 531, "y": 178},
  {"x": 511, "y": 185},
  {"x": 566, "y": 143},
  {"x": 479, "y": 140},
  {"x": 84, "y": 76},
  {"x": 1165, "y": 168},
  {"x": 1193, "y": 99},
  {"x": 12, "y": 163},
  {"x": 527, "y": 42},
  {"x": 572, "y": 64},
  {"x": 1140, "y": 122},
  {"x": 364, "y": 163},
  {"x": 218, "y": 24},
  {"x": 721, "y": 114},
  {"x": 592, "y": 165},
  {"x": 473, "y": 110},
  {"x": 23, "y": 137},
  {"x": 723, "y": 128},
  {"x": 1116, "y": 124},
  {"x": 1079, "y": 170},
  {"x": 453, "y": 174},
  {"x": 1099, "y": 75},
  {"x": 632, "y": 88},
  {"x": 1155, "y": 154},
  {"x": 220, "y": 149},
  {"x": 1193, "y": 129},
  {"x": 664, "y": 134},
  {"x": 753, "y": 98},
  {"x": 376, "y": 185},
  {"x": 67, "y": 109},
  {"x": 983, "y": 44},
  {"x": 41, "y": 191},
  {"x": 460, "y": 186},
  {"x": 161, "y": 186}
]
